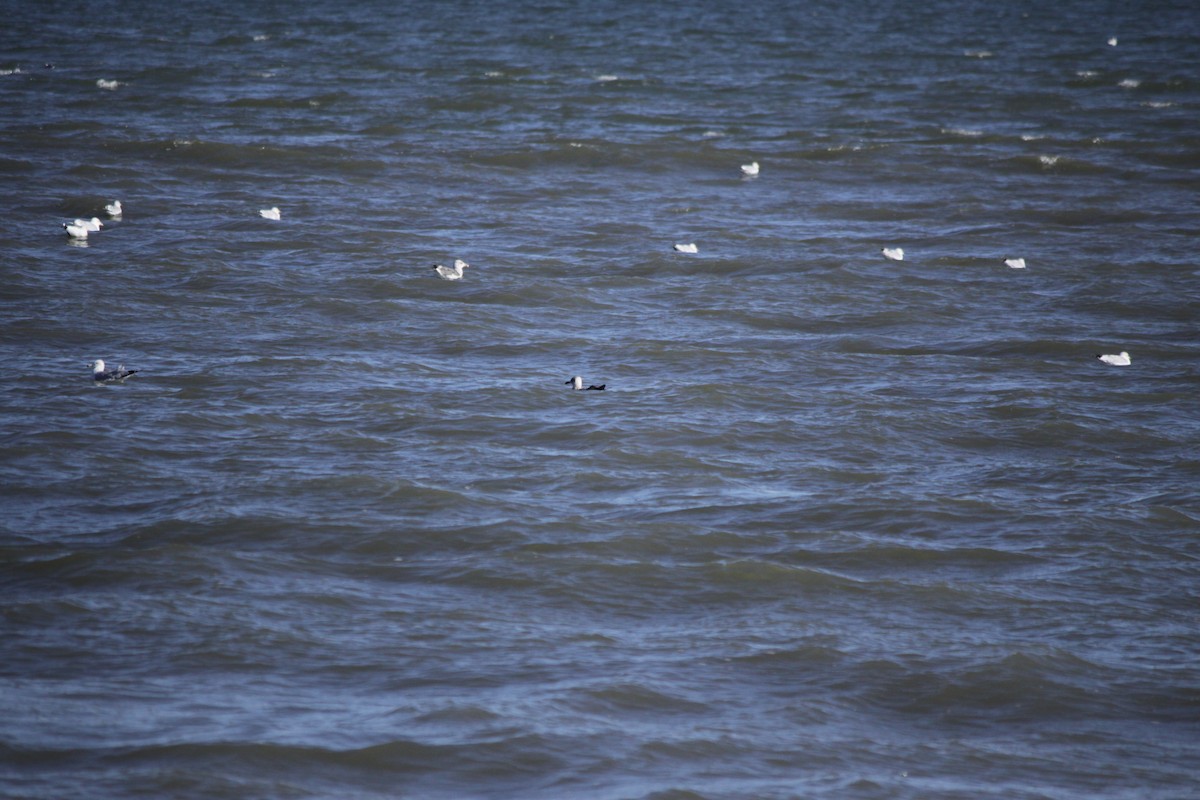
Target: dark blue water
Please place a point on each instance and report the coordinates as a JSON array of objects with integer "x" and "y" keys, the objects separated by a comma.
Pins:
[{"x": 838, "y": 527}]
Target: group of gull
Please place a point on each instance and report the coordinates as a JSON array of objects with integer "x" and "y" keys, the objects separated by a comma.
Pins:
[{"x": 80, "y": 229}]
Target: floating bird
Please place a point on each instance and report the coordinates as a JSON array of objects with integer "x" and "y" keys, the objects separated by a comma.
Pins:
[
  {"x": 1120, "y": 360},
  {"x": 451, "y": 273},
  {"x": 101, "y": 375},
  {"x": 92, "y": 225},
  {"x": 750, "y": 169},
  {"x": 114, "y": 209},
  {"x": 269, "y": 213},
  {"x": 687, "y": 248},
  {"x": 577, "y": 383},
  {"x": 894, "y": 253},
  {"x": 1112, "y": 41},
  {"x": 1015, "y": 263},
  {"x": 75, "y": 231}
]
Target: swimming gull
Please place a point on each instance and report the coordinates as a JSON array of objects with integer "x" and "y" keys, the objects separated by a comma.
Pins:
[
  {"x": 101, "y": 375},
  {"x": 577, "y": 383},
  {"x": 687, "y": 248},
  {"x": 75, "y": 231},
  {"x": 92, "y": 225},
  {"x": 1112, "y": 41},
  {"x": 894, "y": 253},
  {"x": 1015, "y": 263},
  {"x": 451, "y": 273},
  {"x": 1120, "y": 360},
  {"x": 269, "y": 213},
  {"x": 114, "y": 209},
  {"x": 751, "y": 169}
]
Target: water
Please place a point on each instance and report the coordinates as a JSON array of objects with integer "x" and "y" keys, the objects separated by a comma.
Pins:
[{"x": 839, "y": 527}]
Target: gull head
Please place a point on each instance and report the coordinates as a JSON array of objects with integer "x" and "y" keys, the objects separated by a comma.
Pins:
[{"x": 97, "y": 365}]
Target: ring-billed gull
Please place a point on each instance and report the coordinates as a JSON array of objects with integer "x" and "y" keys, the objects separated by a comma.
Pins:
[
  {"x": 114, "y": 209},
  {"x": 269, "y": 213},
  {"x": 894, "y": 253},
  {"x": 687, "y": 248},
  {"x": 577, "y": 383},
  {"x": 1015, "y": 263},
  {"x": 92, "y": 225},
  {"x": 451, "y": 273},
  {"x": 101, "y": 375},
  {"x": 750, "y": 169},
  {"x": 1122, "y": 359},
  {"x": 75, "y": 231}
]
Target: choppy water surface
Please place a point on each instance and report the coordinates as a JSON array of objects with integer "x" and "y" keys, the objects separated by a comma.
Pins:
[{"x": 839, "y": 527}]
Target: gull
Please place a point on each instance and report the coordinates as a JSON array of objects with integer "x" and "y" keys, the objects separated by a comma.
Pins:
[
  {"x": 451, "y": 273},
  {"x": 1112, "y": 41},
  {"x": 113, "y": 209},
  {"x": 687, "y": 248},
  {"x": 1015, "y": 263},
  {"x": 894, "y": 253},
  {"x": 92, "y": 225},
  {"x": 101, "y": 375},
  {"x": 577, "y": 383},
  {"x": 75, "y": 231},
  {"x": 269, "y": 213},
  {"x": 1120, "y": 360},
  {"x": 750, "y": 169}
]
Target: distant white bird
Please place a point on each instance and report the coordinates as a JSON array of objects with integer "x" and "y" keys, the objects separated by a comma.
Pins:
[
  {"x": 101, "y": 375},
  {"x": 1120, "y": 360},
  {"x": 75, "y": 231},
  {"x": 105, "y": 84},
  {"x": 1015, "y": 263},
  {"x": 1112, "y": 41},
  {"x": 750, "y": 169},
  {"x": 114, "y": 209},
  {"x": 577, "y": 383},
  {"x": 269, "y": 213},
  {"x": 894, "y": 253},
  {"x": 451, "y": 273},
  {"x": 687, "y": 248}
]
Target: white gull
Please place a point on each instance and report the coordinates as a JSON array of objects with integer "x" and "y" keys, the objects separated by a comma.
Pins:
[
  {"x": 269, "y": 213},
  {"x": 577, "y": 383},
  {"x": 894, "y": 253},
  {"x": 101, "y": 375},
  {"x": 1015, "y": 263},
  {"x": 451, "y": 273},
  {"x": 1122, "y": 359},
  {"x": 114, "y": 209},
  {"x": 751, "y": 169},
  {"x": 687, "y": 248}
]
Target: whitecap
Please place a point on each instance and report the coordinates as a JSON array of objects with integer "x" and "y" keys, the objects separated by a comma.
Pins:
[
  {"x": 13, "y": 71},
  {"x": 1130, "y": 83},
  {"x": 978, "y": 53},
  {"x": 1112, "y": 41},
  {"x": 1048, "y": 161},
  {"x": 493, "y": 74},
  {"x": 606, "y": 78},
  {"x": 1031, "y": 137},
  {"x": 1158, "y": 104},
  {"x": 712, "y": 135},
  {"x": 110, "y": 85},
  {"x": 261, "y": 37},
  {"x": 971, "y": 132},
  {"x": 1086, "y": 73}
]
